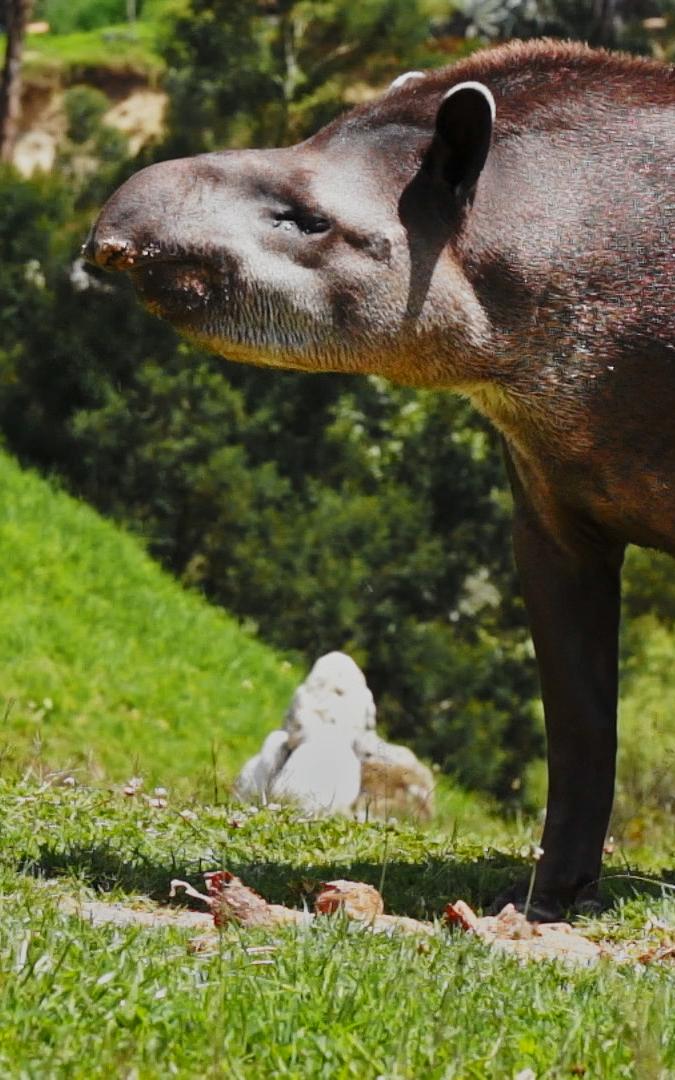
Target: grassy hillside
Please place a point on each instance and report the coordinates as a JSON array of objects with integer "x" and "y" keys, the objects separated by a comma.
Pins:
[
  {"x": 119, "y": 49},
  {"x": 107, "y": 663}
]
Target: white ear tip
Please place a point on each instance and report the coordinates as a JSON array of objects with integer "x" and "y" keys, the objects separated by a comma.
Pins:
[
  {"x": 408, "y": 76},
  {"x": 480, "y": 88}
]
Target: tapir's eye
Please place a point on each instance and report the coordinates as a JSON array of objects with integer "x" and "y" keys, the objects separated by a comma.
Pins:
[{"x": 301, "y": 220}]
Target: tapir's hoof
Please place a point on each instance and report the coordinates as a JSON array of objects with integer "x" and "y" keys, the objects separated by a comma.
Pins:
[
  {"x": 587, "y": 903},
  {"x": 540, "y": 908},
  {"x": 547, "y": 907}
]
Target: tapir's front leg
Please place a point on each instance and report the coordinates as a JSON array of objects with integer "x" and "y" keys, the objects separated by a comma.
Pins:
[{"x": 573, "y": 601}]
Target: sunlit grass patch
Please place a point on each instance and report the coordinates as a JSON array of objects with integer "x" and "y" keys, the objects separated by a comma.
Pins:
[
  {"x": 120, "y": 49},
  {"x": 332, "y": 1000},
  {"x": 109, "y": 667}
]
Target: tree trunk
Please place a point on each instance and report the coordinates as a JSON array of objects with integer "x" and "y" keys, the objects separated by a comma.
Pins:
[
  {"x": 17, "y": 13},
  {"x": 603, "y": 30}
]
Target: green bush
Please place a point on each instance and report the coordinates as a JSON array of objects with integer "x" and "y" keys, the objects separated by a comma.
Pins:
[
  {"x": 646, "y": 764},
  {"x": 84, "y": 107},
  {"x": 67, "y": 16}
]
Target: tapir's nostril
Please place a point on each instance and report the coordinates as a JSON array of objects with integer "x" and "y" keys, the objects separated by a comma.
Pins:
[{"x": 110, "y": 254}]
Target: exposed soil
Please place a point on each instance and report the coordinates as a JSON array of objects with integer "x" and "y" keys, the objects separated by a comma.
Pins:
[{"x": 135, "y": 109}]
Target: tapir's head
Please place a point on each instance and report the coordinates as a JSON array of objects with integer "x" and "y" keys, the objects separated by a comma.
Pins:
[{"x": 335, "y": 254}]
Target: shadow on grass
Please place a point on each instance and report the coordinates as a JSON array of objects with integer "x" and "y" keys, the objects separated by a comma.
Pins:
[{"x": 417, "y": 889}]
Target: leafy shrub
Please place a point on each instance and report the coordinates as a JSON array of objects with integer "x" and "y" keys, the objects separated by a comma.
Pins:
[
  {"x": 84, "y": 107},
  {"x": 646, "y": 765},
  {"x": 67, "y": 16}
]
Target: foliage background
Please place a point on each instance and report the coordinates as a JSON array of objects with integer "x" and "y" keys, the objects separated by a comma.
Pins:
[{"x": 325, "y": 512}]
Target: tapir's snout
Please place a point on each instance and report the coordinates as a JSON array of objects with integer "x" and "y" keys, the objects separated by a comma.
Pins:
[
  {"x": 169, "y": 210},
  {"x": 175, "y": 228},
  {"x": 109, "y": 253},
  {"x": 140, "y": 220},
  {"x": 234, "y": 249}
]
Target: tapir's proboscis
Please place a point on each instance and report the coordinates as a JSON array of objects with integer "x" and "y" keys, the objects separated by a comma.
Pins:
[{"x": 503, "y": 228}]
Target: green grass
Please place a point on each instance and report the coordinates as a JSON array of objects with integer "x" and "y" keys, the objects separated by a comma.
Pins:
[
  {"x": 108, "y": 666},
  {"x": 120, "y": 49},
  {"x": 331, "y": 1001}
]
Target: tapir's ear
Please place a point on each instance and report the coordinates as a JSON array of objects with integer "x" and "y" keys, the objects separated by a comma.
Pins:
[
  {"x": 462, "y": 138},
  {"x": 407, "y": 77}
]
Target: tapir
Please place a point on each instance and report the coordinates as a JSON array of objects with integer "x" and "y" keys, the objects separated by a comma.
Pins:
[{"x": 502, "y": 228}]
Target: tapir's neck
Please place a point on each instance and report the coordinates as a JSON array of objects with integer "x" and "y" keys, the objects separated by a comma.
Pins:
[{"x": 543, "y": 347}]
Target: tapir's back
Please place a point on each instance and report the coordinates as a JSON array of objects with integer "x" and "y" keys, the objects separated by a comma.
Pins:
[{"x": 585, "y": 141}]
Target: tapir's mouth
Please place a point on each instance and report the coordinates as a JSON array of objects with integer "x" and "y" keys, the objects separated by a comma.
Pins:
[
  {"x": 175, "y": 284},
  {"x": 176, "y": 289}
]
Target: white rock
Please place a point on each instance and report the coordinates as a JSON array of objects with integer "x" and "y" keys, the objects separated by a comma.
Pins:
[
  {"x": 329, "y": 759},
  {"x": 255, "y": 778},
  {"x": 322, "y": 775},
  {"x": 334, "y": 694},
  {"x": 371, "y": 745},
  {"x": 393, "y": 779}
]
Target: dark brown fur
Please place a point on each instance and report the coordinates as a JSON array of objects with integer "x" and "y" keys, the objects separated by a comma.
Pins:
[
  {"x": 536, "y": 85},
  {"x": 526, "y": 263}
]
